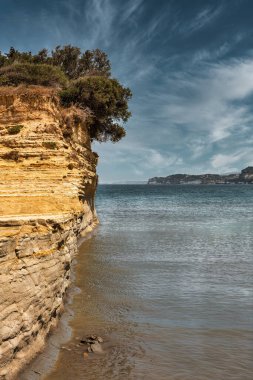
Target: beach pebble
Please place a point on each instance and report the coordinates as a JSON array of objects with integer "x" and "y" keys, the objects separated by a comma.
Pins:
[
  {"x": 89, "y": 349},
  {"x": 96, "y": 348}
]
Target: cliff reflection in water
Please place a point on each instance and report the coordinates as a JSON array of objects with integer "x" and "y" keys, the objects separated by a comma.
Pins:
[{"x": 167, "y": 281}]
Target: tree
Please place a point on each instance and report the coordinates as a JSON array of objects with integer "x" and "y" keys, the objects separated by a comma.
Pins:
[
  {"x": 14, "y": 56},
  {"x": 75, "y": 65},
  {"x": 41, "y": 57},
  {"x": 108, "y": 101},
  {"x": 67, "y": 59},
  {"x": 94, "y": 62}
]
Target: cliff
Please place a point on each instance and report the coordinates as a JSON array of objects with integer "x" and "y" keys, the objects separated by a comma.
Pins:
[
  {"x": 246, "y": 176},
  {"x": 47, "y": 185}
]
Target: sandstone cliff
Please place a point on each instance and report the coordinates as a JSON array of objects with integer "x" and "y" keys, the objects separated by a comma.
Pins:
[{"x": 47, "y": 185}]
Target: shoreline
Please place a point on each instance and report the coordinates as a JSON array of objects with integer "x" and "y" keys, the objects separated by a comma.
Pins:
[{"x": 44, "y": 361}]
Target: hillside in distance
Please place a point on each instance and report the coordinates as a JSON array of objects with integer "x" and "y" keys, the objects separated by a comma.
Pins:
[{"x": 245, "y": 177}]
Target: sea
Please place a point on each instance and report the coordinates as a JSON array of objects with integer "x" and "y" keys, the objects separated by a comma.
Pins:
[{"x": 167, "y": 281}]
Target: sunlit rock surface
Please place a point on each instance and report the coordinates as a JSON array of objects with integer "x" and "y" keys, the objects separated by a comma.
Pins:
[{"x": 47, "y": 185}]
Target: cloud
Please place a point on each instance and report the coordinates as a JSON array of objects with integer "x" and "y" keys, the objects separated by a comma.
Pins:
[
  {"x": 225, "y": 161},
  {"x": 211, "y": 99},
  {"x": 131, "y": 7},
  {"x": 136, "y": 159},
  {"x": 212, "y": 54},
  {"x": 200, "y": 113},
  {"x": 203, "y": 18},
  {"x": 100, "y": 14},
  {"x": 199, "y": 21}
]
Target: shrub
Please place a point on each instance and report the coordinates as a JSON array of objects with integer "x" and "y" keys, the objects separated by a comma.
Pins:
[
  {"x": 14, "y": 129},
  {"x": 108, "y": 101},
  {"x": 27, "y": 73},
  {"x": 49, "y": 145}
]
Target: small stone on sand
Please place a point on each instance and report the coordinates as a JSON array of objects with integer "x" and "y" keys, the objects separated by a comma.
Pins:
[{"x": 96, "y": 348}]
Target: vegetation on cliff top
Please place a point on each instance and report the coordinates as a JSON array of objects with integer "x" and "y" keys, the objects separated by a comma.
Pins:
[
  {"x": 28, "y": 73},
  {"x": 83, "y": 79}
]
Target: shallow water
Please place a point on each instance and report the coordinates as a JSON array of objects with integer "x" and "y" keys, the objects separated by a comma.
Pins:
[{"x": 167, "y": 281}]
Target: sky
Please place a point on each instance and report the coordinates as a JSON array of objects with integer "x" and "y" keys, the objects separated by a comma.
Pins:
[{"x": 188, "y": 63}]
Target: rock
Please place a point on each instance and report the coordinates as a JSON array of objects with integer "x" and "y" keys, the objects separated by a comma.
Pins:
[
  {"x": 91, "y": 339},
  {"x": 43, "y": 211},
  {"x": 89, "y": 349},
  {"x": 96, "y": 348}
]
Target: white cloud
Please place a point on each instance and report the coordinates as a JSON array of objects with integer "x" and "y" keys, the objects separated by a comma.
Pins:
[
  {"x": 225, "y": 161},
  {"x": 130, "y": 9},
  {"x": 201, "y": 19},
  {"x": 210, "y": 100},
  {"x": 100, "y": 15},
  {"x": 204, "y": 17},
  {"x": 136, "y": 159},
  {"x": 224, "y": 48}
]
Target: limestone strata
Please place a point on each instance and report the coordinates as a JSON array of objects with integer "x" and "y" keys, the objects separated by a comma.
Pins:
[{"x": 47, "y": 186}]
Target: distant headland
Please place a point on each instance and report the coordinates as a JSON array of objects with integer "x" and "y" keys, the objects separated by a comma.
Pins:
[{"x": 245, "y": 177}]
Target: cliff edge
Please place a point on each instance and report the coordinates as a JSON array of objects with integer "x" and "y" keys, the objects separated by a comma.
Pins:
[{"x": 47, "y": 186}]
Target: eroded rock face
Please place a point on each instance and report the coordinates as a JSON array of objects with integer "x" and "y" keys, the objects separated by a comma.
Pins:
[{"x": 47, "y": 185}]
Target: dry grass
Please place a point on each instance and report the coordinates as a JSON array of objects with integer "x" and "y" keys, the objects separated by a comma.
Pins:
[{"x": 23, "y": 90}]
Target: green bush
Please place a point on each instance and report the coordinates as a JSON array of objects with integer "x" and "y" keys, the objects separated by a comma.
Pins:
[
  {"x": 14, "y": 129},
  {"x": 27, "y": 73},
  {"x": 108, "y": 101},
  {"x": 49, "y": 145}
]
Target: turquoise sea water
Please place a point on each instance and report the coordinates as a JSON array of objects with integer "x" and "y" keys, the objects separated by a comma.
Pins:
[{"x": 167, "y": 280}]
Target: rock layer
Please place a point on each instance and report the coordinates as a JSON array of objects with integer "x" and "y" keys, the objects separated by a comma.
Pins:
[{"x": 47, "y": 186}]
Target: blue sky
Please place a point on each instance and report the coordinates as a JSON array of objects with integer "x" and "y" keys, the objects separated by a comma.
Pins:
[{"x": 188, "y": 63}]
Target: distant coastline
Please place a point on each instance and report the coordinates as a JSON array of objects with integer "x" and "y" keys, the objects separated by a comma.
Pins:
[{"x": 244, "y": 177}]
